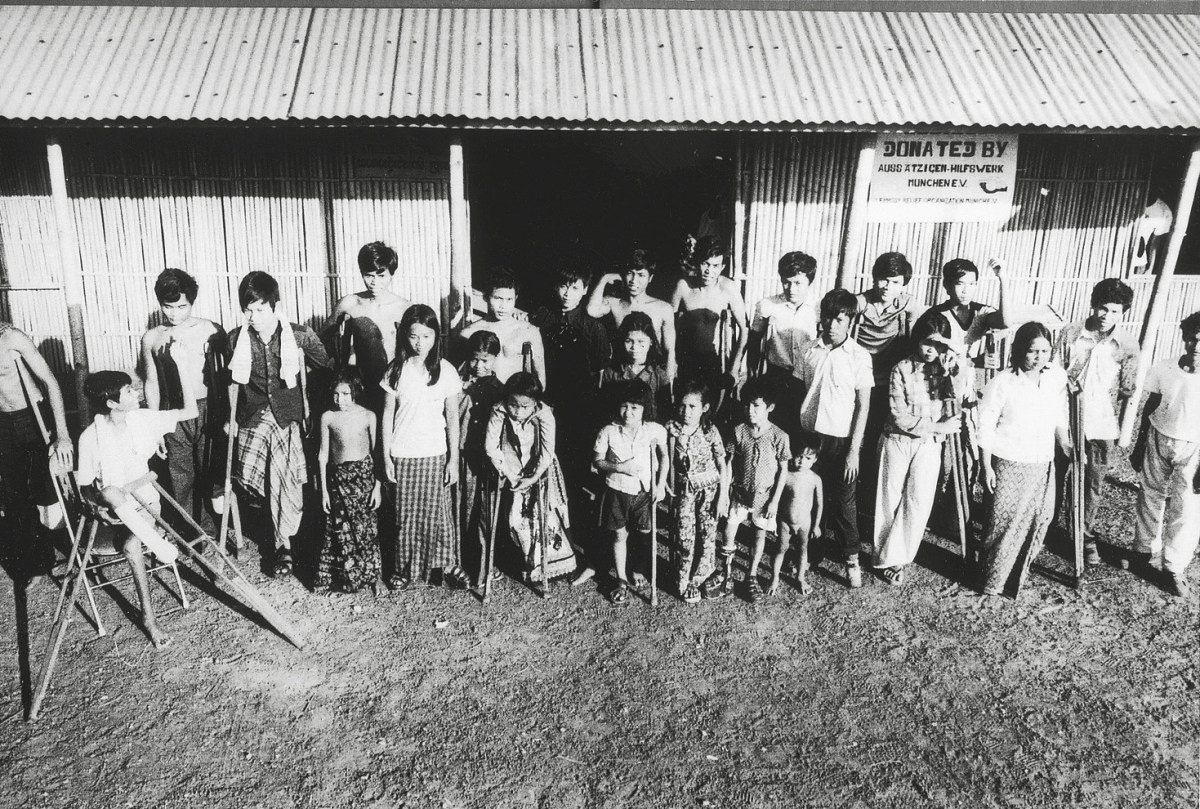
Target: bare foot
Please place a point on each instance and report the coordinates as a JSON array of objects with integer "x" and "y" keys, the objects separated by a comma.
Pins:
[
  {"x": 582, "y": 576},
  {"x": 774, "y": 587},
  {"x": 802, "y": 580}
]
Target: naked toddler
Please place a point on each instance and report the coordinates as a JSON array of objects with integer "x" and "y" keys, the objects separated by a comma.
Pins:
[{"x": 799, "y": 510}]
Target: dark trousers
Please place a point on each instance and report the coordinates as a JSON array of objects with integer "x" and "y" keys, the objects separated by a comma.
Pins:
[
  {"x": 789, "y": 391},
  {"x": 25, "y": 476},
  {"x": 1098, "y": 462},
  {"x": 193, "y": 454},
  {"x": 841, "y": 510}
]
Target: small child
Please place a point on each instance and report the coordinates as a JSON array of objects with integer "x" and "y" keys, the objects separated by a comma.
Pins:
[
  {"x": 782, "y": 328},
  {"x": 632, "y": 455},
  {"x": 481, "y": 392},
  {"x": 637, "y": 358},
  {"x": 758, "y": 456},
  {"x": 698, "y": 484},
  {"x": 520, "y": 444},
  {"x": 514, "y": 334},
  {"x": 1167, "y": 455},
  {"x": 799, "y": 510},
  {"x": 836, "y": 372},
  {"x": 350, "y": 493},
  {"x": 1101, "y": 363},
  {"x": 114, "y": 451}
]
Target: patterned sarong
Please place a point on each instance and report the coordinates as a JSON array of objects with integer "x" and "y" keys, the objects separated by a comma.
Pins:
[
  {"x": 350, "y": 555},
  {"x": 271, "y": 467},
  {"x": 426, "y": 531},
  {"x": 1022, "y": 509},
  {"x": 541, "y": 511}
]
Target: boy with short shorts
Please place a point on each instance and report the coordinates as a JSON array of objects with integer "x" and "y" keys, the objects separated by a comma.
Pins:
[{"x": 758, "y": 456}]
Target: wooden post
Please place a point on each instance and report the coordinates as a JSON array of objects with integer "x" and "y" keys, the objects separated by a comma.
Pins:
[
  {"x": 856, "y": 222},
  {"x": 1162, "y": 286},
  {"x": 72, "y": 270},
  {"x": 738, "y": 260},
  {"x": 459, "y": 304}
]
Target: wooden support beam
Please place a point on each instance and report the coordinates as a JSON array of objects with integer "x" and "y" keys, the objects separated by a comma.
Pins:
[
  {"x": 459, "y": 305},
  {"x": 1162, "y": 285},
  {"x": 71, "y": 269},
  {"x": 856, "y": 222}
]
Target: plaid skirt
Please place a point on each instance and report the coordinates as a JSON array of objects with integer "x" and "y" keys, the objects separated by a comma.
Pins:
[
  {"x": 271, "y": 467},
  {"x": 426, "y": 531}
]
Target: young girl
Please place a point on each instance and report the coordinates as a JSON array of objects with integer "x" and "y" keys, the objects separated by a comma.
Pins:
[
  {"x": 924, "y": 409},
  {"x": 520, "y": 445},
  {"x": 637, "y": 357},
  {"x": 420, "y": 449},
  {"x": 481, "y": 392},
  {"x": 350, "y": 495},
  {"x": 697, "y": 457}
]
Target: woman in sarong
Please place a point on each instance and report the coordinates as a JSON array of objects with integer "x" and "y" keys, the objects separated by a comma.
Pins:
[{"x": 1023, "y": 412}]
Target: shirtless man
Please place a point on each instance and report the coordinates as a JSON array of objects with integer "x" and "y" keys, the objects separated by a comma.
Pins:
[
  {"x": 514, "y": 333},
  {"x": 697, "y": 304},
  {"x": 193, "y": 449},
  {"x": 635, "y": 278},
  {"x": 373, "y": 315},
  {"x": 23, "y": 468}
]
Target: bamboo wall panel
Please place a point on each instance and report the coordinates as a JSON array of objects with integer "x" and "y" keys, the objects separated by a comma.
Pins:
[
  {"x": 1074, "y": 208},
  {"x": 796, "y": 190},
  {"x": 30, "y": 262},
  {"x": 219, "y": 213}
]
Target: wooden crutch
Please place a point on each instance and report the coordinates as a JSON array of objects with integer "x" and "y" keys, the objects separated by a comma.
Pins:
[
  {"x": 494, "y": 505},
  {"x": 230, "y": 513},
  {"x": 958, "y": 481},
  {"x": 544, "y": 518},
  {"x": 1078, "y": 482},
  {"x": 653, "y": 533},
  {"x": 30, "y": 389}
]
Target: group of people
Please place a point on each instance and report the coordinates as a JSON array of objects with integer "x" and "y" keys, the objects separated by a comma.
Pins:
[{"x": 565, "y": 437}]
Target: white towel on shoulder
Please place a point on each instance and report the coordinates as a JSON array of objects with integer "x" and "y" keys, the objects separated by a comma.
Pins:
[{"x": 289, "y": 354}]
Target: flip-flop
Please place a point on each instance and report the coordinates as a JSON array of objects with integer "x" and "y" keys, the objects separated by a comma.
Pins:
[
  {"x": 620, "y": 596},
  {"x": 283, "y": 564}
]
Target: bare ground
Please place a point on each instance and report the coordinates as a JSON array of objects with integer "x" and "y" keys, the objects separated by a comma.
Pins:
[{"x": 914, "y": 696}]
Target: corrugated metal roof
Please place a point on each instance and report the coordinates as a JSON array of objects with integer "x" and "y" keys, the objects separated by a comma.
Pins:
[{"x": 606, "y": 67}]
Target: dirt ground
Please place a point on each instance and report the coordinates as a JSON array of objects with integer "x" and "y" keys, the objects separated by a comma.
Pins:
[{"x": 914, "y": 696}]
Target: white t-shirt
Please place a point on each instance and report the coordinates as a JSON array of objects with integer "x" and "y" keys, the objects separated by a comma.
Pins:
[
  {"x": 1178, "y": 416},
  {"x": 419, "y": 426},
  {"x": 832, "y": 377},
  {"x": 113, "y": 455}
]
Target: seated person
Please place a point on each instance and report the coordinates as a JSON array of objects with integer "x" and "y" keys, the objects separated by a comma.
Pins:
[{"x": 114, "y": 451}]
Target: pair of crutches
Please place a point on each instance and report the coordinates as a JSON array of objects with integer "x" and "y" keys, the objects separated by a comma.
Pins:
[
  {"x": 493, "y": 498},
  {"x": 960, "y": 484}
]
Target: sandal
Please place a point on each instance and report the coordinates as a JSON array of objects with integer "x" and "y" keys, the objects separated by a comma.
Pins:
[
  {"x": 756, "y": 592},
  {"x": 692, "y": 594},
  {"x": 282, "y": 565},
  {"x": 455, "y": 578},
  {"x": 620, "y": 596},
  {"x": 893, "y": 575},
  {"x": 398, "y": 582}
]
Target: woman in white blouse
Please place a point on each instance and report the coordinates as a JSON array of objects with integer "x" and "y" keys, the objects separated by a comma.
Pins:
[{"x": 1022, "y": 415}]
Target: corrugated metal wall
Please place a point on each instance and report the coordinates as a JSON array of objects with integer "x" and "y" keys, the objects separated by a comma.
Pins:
[{"x": 294, "y": 205}]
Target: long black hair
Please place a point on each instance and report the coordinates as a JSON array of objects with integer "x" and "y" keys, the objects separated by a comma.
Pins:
[{"x": 417, "y": 315}]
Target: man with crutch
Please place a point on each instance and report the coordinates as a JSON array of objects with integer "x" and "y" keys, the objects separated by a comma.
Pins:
[{"x": 24, "y": 471}]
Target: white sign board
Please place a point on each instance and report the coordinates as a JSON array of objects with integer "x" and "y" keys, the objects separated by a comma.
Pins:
[{"x": 943, "y": 178}]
